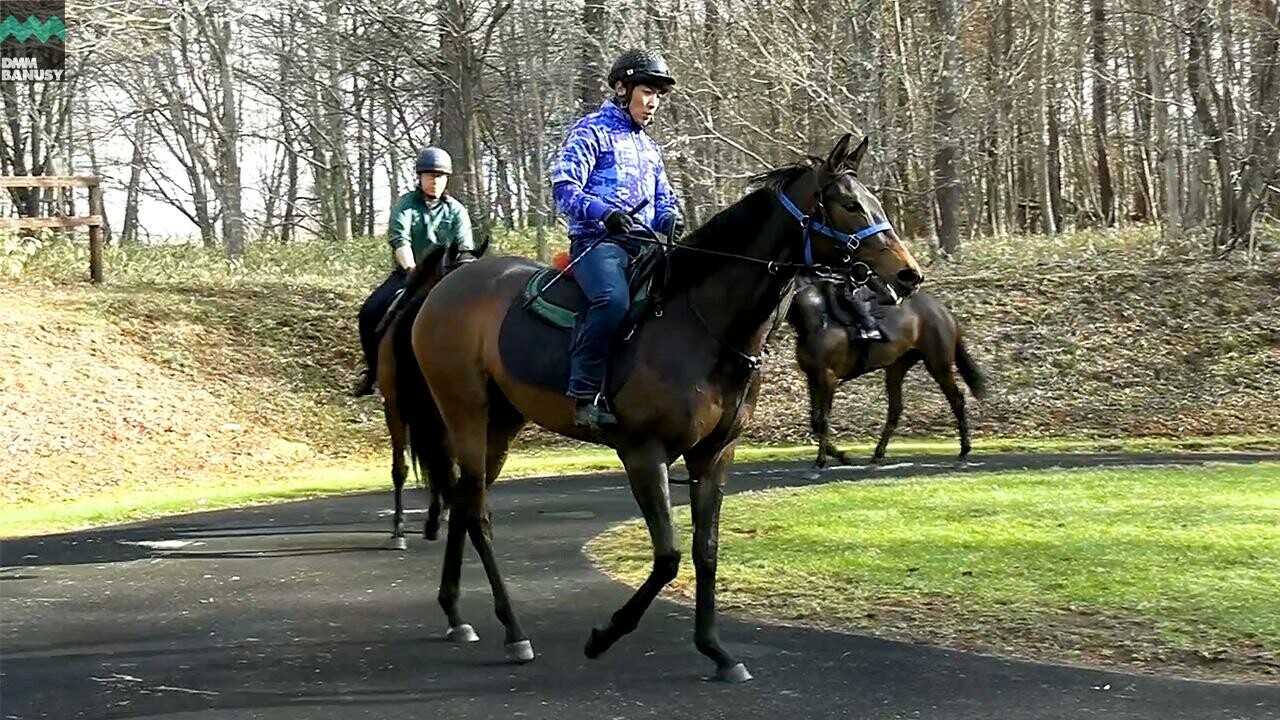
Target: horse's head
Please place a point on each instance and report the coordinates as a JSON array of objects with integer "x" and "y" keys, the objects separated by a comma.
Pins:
[{"x": 849, "y": 229}]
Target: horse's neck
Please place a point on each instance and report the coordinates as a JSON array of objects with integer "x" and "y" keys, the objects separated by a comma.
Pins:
[{"x": 737, "y": 301}]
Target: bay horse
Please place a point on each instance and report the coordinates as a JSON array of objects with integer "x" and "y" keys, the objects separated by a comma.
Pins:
[
  {"x": 683, "y": 385},
  {"x": 919, "y": 328},
  {"x": 402, "y": 387}
]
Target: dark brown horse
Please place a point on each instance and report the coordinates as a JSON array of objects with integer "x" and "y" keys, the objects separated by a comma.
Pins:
[
  {"x": 402, "y": 388},
  {"x": 918, "y": 328},
  {"x": 683, "y": 385}
]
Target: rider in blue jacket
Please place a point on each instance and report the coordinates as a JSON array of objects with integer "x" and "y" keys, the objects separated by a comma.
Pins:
[{"x": 609, "y": 166}]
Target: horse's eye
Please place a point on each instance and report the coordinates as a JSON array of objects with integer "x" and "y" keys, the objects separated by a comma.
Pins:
[{"x": 852, "y": 207}]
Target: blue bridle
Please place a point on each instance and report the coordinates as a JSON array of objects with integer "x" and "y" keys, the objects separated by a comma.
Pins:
[{"x": 809, "y": 226}]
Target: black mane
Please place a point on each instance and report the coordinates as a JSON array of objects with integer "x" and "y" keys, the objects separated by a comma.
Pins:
[
  {"x": 779, "y": 178},
  {"x": 725, "y": 231}
]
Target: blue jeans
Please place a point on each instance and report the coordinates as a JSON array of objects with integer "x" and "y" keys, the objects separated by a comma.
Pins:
[{"x": 602, "y": 275}]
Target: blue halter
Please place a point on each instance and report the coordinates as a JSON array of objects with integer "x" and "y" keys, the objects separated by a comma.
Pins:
[{"x": 808, "y": 225}]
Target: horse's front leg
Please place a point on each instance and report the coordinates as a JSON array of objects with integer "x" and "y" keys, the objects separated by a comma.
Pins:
[
  {"x": 647, "y": 470},
  {"x": 706, "y": 492},
  {"x": 399, "y": 471},
  {"x": 817, "y": 419}
]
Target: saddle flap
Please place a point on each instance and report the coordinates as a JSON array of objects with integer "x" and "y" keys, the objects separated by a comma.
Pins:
[
  {"x": 558, "y": 303},
  {"x": 536, "y": 336},
  {"x": 562, "y": 299}
]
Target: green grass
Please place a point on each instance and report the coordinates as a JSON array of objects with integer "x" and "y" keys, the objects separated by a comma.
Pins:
[
  {"x": 370, "y": 474},
  {"x": 1150, "y": 568}
]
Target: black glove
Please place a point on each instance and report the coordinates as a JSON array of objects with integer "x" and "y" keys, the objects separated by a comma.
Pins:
[
  {"x": 677, "y": 228},
  {"x": 618, "y": 222}
]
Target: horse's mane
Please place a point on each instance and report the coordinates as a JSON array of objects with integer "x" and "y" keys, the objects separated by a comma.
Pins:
[
  {"x": 725, "y": 230},
  {"x": 780, "y": 177}
]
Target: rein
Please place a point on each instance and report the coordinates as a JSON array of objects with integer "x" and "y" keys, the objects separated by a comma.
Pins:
[{"x": 809, "y": 226}]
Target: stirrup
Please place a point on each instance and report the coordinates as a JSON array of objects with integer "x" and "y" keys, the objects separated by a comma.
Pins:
[
  {"x": 363, "y": 385},
  {"x": 593, "y": 414}
]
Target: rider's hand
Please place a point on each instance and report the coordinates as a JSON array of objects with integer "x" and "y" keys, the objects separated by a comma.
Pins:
[
  {"x": 677, "y": 228},
  {"x": 618, "y": 222},
  {"x": 404, "y": 257}
]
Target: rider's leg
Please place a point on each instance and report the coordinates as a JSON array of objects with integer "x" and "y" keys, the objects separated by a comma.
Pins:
[
  {"x": 370, "y": 315},
  {"x": 601, "y": 273},
  {"x": 867, "y": 327}
]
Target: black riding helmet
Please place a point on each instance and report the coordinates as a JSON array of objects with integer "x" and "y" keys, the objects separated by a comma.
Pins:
[
  {"x": 640, "y": 66},
  {"x": 434, "y": 159}
]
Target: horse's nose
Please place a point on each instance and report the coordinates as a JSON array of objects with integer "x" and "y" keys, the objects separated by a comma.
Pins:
[{"x": 910, "y": 277}]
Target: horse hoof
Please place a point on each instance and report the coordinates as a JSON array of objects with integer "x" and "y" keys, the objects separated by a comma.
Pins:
[
  {"x": 399, "y": 543},
  {"x": 520, "y": 651},
  {"x": 431, "y": 533},
  {"x": 463, "y": 633},
  {"x": 734, "y": 674},
  {"x": 596, "y": 644}
]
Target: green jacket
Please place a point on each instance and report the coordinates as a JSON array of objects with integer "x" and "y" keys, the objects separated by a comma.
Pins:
[{"x": 424, "y": 225}]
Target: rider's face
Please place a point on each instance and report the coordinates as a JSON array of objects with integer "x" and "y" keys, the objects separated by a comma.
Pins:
[
  {"x": 644, "y": 103},
  {"x": 433, "y": 183}
]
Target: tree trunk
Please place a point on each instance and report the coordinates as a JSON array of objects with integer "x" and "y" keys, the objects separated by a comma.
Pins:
[
  {"x": 1166, "y": 152},
  {"x": 232, "y": 217},
  {"x": 591, "y": 63},
  {"x": 1206, "y": 100},
  {"x": 1042, "y": 122},
  {"x": 129, "y": 231},
  {"x": 339, "y": 176},
  {"x": 394, "y": 173},
  {"x": 1261, "y": 173},
  {"x": 459, "y": 108},
  {"x": 946, "y": 109},
  {"x": 1098, "y": 44}
]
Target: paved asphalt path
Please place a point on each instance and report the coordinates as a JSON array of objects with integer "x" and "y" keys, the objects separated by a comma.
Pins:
[{"x": 299, "y": 611}]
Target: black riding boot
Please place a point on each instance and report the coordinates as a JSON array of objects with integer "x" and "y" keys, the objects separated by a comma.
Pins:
[
  {"x": 867, "y": 327},
  {"x": 590, "y": 412}
]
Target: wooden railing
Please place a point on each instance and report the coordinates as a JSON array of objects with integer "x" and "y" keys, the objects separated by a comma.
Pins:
[{"x": 93, "y": 221}]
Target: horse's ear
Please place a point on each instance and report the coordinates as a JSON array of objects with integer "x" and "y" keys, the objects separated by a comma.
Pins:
[
  {"x": 855, "y": 158},
  {"x": 839, "y": 152},
  {"x": 484, "y": 245}
]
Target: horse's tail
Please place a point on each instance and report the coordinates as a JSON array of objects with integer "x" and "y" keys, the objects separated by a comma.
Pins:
[
  {"x": 428, "y": 445},
  {"x": 969, "y": 370}
]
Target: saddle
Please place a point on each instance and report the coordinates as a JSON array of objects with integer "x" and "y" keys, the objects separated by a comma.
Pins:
[
  {"x": 842, "y": 301},
  {"x": 562, "y": 300},
  {"x": 537, "y": 332}
]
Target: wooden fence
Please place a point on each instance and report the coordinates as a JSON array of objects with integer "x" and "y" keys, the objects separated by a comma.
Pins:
[{"x": 93, "y": 221}]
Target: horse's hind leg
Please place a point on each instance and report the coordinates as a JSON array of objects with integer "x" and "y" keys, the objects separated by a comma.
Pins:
[
  {"x": 647, "y": 470},
  {"x": 479, "y": 523},
  {"x": 450, "y": 577},
  {"x": 439, "y": 467},
  {"x": 893, "y": 376},
  {"x": 708, "y": 476},
  {"x": 467, "y": 412},
  {"x": 504, "y": 423},
  {"x": 941, "y": 370}
]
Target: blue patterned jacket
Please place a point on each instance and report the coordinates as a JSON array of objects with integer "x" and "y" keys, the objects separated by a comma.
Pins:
[{"x": 608, "y": 162}]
